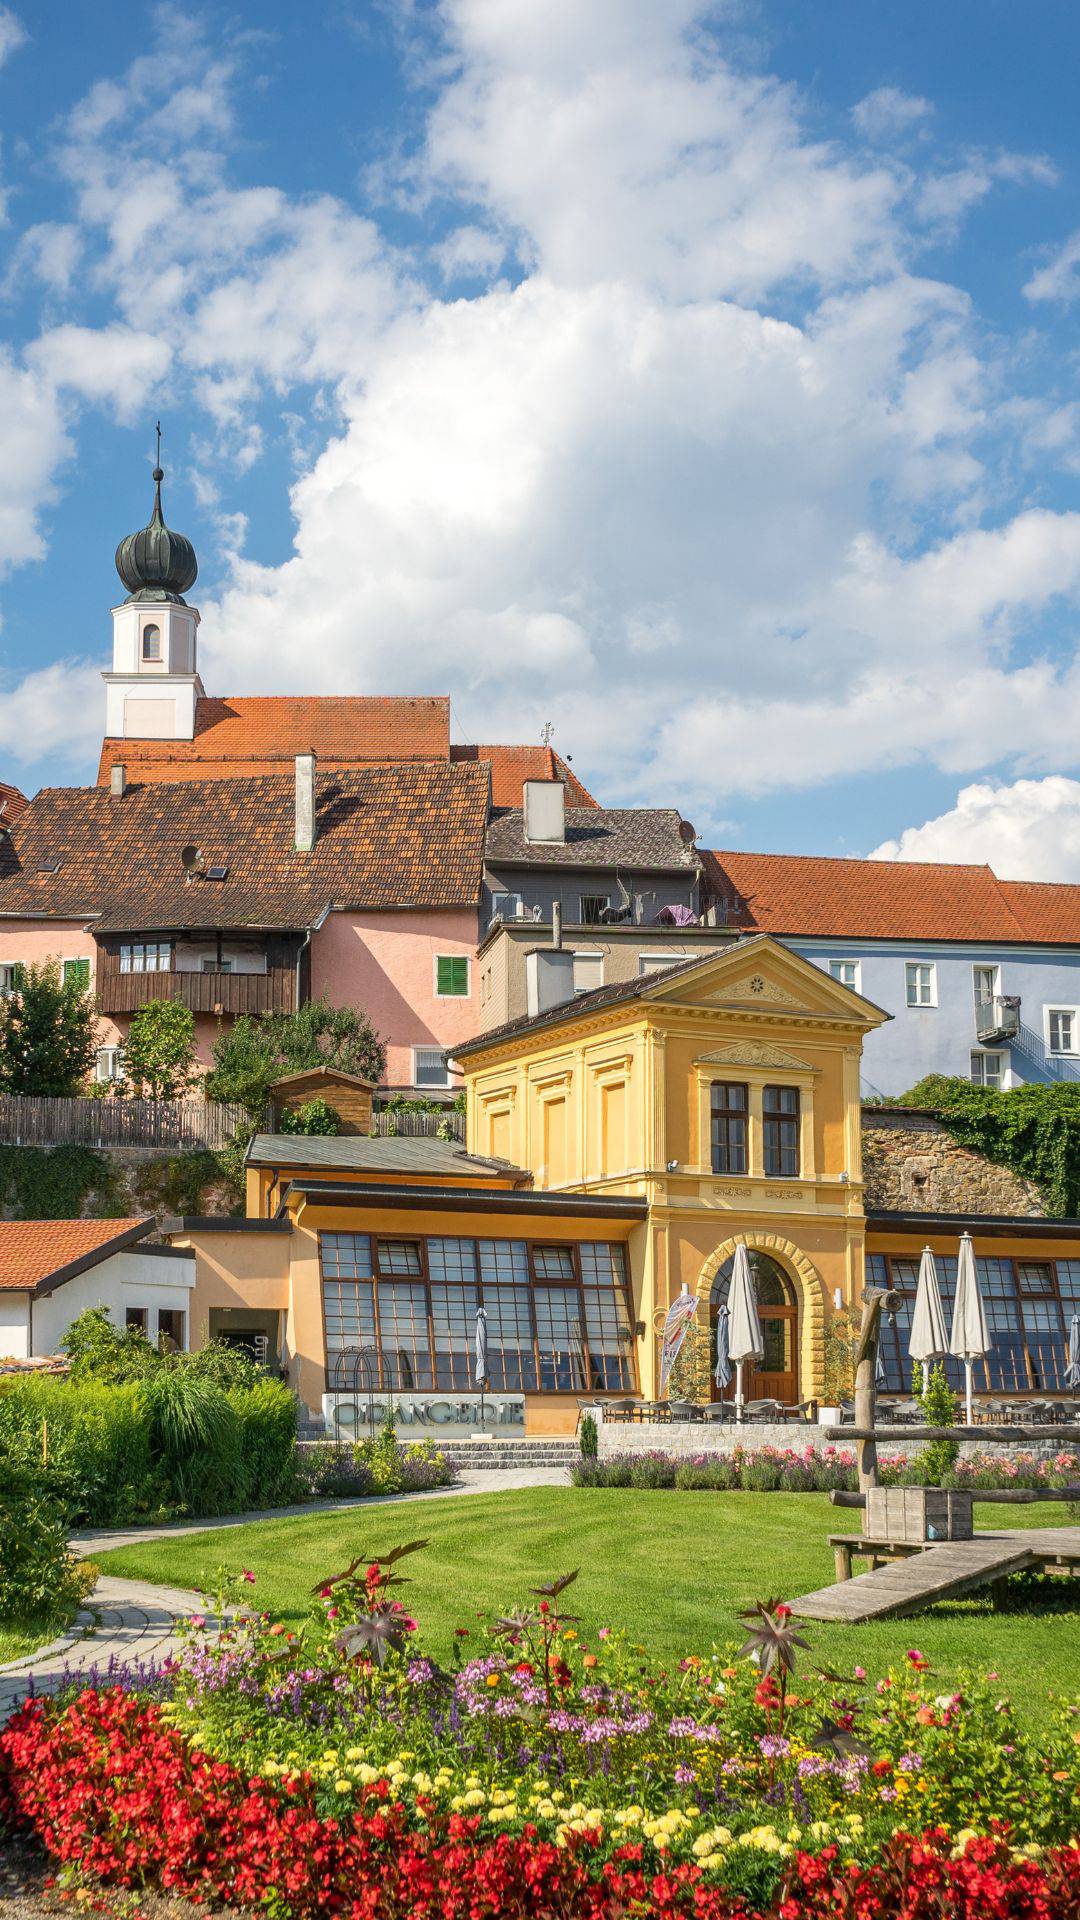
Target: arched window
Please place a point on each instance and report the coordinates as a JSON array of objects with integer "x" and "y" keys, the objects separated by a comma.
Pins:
[
  {"x": 772, "y": 1288},
  {"x": 151, "y": 642}
]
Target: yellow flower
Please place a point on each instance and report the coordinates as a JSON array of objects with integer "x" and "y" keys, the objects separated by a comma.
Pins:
[{"x": 343, "y": 1786}]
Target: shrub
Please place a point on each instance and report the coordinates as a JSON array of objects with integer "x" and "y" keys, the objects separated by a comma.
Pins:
[
  {"x": 588, "y": 1437},
  {"x": 97, "y": 1349},
  {"x": 265, "y": 1449},
  {"x": 938, "y": 1403},
  {"x": 333, "y": 1472},
  {"x": 159, "y": 1056},
  {"x": 96, "y": 1440},
  {"x": 47, "y": 1033},
  {"x": 314, "y": 1117},
  {"x": 40, "y": 1579}
]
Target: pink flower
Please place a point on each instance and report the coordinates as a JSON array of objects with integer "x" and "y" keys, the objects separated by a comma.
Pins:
[
  {"x": 605, "y": 1633},
  {"x": 860, "y": 1673},
  {"x": 197, "y": 1620},
  {"x": 246, "y": 1574}
]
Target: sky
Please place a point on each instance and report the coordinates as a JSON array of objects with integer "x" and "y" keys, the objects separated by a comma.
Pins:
[{"x": 700, "y": 379}]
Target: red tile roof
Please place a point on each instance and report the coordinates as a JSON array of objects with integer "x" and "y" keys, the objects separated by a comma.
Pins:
[
  {"x": 783, "y": 893},
  {"x": 12, "y": 804},
  {"x": 512, "y": 766},
  {"x": 387, "y": 837},
  {"x": 257, "y": 733},
  {"x": 31, "y": 1251}
]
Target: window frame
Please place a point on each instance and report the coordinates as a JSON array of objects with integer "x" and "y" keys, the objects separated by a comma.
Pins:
[
  {"x": 452, "y": 959},
  {"x": 590, "y": 956},
  {"x": 116, "y": 1058},
  {"x": 989, "y": 1053},
  {"x": 853, "y": 986},
  {"x": 882, "y": 1269},
  {"x": 144, "y": 947},
  {"x": 12, "y": 970},
  {"x": 728, "y": 1115},
  {"x": 781, "y": 1119},
  {"x": 584, "y": 919},
  {"x": 1050, "y": 1012},
  {"x": 416, "y": 1080},
  {"x": 914, "y": 967},
  {"x": 524, "y": 1288},
  {"x": 78, "y": 960},
  {"x": 985, "y": 966},
  {"x": 156, "y": 658}
]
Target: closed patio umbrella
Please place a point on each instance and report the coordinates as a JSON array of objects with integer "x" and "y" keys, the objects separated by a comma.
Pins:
[
  {"x": 480, "y": 1358},
  {"x": 928, "y": 1342},
  {"x": 746, "y": 1342},
  {"x": 969, "y": 1339},
  {"x": 1072, "y": 1369},
  {"x": 722, "y": 1369}
]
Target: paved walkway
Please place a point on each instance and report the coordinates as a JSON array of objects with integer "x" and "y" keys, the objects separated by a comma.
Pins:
[{"x": 131, "y": 1620}]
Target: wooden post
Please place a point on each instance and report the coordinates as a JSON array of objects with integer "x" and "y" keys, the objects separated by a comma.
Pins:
[{"x": 875, "y": 1299}]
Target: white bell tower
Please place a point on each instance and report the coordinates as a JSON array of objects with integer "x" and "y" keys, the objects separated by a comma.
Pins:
[{"x": 152, "y": 690}]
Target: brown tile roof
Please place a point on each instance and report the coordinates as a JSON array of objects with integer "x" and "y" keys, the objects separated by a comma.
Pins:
[
  {"x": 35, "y": 1251},
  {"x": 257, "y": 733},
  {"x": 404, "y": 836},
  {"x": 512, "y": 766},
  {"x": 638, "y": 838},
  {"x": 886, "y": 899},
  {"x": 12, "y": 804},
  {"x": 1047, "y": 910}
]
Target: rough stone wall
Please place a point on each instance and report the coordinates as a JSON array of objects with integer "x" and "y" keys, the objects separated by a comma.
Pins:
[{"x": 912, "y": 1163}]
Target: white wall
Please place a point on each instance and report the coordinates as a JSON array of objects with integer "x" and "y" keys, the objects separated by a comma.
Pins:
[
  {"x": 14, "y": 1326},
  {"x": 134, "y": 1278}
]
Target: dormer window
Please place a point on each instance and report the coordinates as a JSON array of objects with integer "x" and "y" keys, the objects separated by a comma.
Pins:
[{"x": 151, "y": 641}]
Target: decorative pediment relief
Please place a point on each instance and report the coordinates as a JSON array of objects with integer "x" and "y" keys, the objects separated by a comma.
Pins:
[
  {"x": 752, "y": 1053},
  {"x": 755, "y": 990}
]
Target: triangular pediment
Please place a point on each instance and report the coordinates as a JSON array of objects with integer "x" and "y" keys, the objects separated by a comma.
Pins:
[
  {"x": 753, "y": 1053},
  {"x": 761, "y": 973}
]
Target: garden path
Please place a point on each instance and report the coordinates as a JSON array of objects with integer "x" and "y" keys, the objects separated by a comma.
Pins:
[{"x": 131, "y": 1620}]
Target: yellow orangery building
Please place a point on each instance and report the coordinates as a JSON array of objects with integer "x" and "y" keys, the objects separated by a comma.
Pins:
[{"x": 725, "y": 1092}]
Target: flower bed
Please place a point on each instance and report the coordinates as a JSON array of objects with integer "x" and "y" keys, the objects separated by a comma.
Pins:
[
  {"x": 810, "y": 1470},
  {"x": 340, "y": 1769}
]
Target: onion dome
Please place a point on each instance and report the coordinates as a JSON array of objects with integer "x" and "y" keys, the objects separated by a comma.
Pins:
[{"x": 157, "y": 564}]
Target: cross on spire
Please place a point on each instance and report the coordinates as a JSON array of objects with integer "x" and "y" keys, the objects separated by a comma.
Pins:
[{"x": 157, "y": 462}]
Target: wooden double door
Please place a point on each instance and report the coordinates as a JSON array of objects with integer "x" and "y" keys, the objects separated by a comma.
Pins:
[{"x": 777, "y": 1377}]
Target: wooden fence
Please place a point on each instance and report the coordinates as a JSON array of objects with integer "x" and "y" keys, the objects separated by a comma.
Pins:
[
  {"x": 419, "y": 1126},
  {"x": 26, "y": 1121}
]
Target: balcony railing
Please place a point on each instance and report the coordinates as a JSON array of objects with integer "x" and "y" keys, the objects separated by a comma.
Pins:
[
  {"x": 213, "y": 993},
  {"x": 997, "y": 1017}
]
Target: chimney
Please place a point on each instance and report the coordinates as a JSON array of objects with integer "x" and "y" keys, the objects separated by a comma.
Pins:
[
  {"x": 556, "y": 923},
  {"x": 118, "y": 782},
  {"x": 545, "y": 812},
  {"x": 549, "y": 978},
  {"x": 305, "y": 802}
]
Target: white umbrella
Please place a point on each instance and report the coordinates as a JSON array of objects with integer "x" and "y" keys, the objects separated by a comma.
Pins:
[
  {"x": 722, "y": 1370},
  {"x": 1072, "y": 1355},
  {"x": 969, "y": 1339},
  {"x": 746, "y": 1341},
  {"x": 480, "y": 1358},
  {"x": 928, "y": 1342}
]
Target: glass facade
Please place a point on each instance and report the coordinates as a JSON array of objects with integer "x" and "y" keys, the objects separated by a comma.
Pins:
[
  {"x": 558, "y": 1315},
  {"x": 1029, "y": 1307}
]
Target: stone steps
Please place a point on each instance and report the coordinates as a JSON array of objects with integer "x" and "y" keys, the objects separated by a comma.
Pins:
[{"x": 513, "y": 1453}]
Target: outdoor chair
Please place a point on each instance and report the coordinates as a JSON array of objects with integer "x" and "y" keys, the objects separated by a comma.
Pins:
[
  {"x": 718, "y": 1412},
  {"x": 685, "y": 1410},
  {"x": 847, "y": 1413},
  {"x": 763, "y": 1410}
]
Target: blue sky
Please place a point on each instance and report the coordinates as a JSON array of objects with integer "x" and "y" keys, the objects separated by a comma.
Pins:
[{"x": 701, "y": 378}]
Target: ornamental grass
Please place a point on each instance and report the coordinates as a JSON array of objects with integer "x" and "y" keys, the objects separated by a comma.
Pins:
[{"x": 339, "y": 1768}]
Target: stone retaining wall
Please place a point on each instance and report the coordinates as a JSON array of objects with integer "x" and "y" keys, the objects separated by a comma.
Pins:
[{"x": 912, "y": 1162}]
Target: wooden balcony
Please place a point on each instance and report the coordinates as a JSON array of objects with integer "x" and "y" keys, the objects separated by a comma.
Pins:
[{"x": 214, "y": 993}]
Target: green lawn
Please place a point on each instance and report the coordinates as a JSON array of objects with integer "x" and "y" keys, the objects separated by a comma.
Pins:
[
  {"x": 16, "y": 1642},
  {"x": 670, "y": 1567}
]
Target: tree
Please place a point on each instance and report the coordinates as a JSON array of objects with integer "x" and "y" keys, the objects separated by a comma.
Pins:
[
  {"x": 48, "y": 1034},
  {"x": 259, "y": 1051},
  {"x": 160, "y": 1051}
]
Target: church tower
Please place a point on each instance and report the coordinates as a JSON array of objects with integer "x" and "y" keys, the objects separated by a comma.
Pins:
[{"x": 154, "y": 684}]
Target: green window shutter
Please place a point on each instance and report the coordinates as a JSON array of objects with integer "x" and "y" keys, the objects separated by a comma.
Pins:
[
  {"x": 77, "y": 974},
  {"x": 452, "y": 975}
]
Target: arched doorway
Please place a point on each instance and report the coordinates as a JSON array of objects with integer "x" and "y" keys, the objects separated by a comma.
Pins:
[{"x": 777, "y": 1378}]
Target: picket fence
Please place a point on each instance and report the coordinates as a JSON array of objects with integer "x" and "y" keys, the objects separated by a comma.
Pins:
[{"x": 29, "y": 1121}]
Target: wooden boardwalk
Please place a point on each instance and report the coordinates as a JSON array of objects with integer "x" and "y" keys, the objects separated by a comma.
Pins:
[{"x": 940, "y": 1572}]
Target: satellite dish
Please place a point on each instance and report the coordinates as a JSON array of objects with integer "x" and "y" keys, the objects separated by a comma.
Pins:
[
  {"x": 191, "y": 858},
  {"x": 687, "y": 833}
]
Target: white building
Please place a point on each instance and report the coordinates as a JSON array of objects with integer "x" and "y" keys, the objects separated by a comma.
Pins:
[{"x": 53, "y": 1270}]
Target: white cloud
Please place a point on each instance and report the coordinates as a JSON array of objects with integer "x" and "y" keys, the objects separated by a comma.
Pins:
[
  {"x": 56, "y": 709},
  {"x": 725, "y": 547},
  {"x": 615, "y": 143},
  {"x": 112, "y": 364},
  {"x": 888, "y": 113},
  {"x": 1060, "y": 278},
  {"x": 13, "y": 34},
  {"x": 1027, "y": 831},
  {"x": 944, "y": 198}
]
